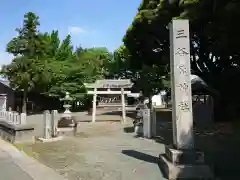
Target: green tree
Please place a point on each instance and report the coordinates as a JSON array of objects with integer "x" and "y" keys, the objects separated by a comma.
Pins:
[
  {"x": 26, "y": 68},
  {"x": 147, "y": 43},
  {"x": 94, "y": 63},
  {"x": 118, "y": 66},
  {"x": 50, "y": 43},
  {"x": 63, "y": 67},
  {"x": 45, "y": 64},
  {"x": 214, "y": 40}
]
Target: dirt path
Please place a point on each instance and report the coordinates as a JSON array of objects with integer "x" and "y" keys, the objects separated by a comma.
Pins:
[
  {"x": 102, "y": 115},
  {"x": 101, "y": 151}
]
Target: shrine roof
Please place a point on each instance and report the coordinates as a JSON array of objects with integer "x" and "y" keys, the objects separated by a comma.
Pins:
[{"x": 110, "y": 83}]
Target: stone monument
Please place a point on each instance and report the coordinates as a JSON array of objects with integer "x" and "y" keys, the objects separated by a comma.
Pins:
[
  {"x": 47, "y": 125},
  {"x": 147, "y": 129},
  {"x": 54, "y": 122},
  {"x": 181, "y": 160},
  {"x": 67, "y": 120},
  {"x": 50, "y": 127}
]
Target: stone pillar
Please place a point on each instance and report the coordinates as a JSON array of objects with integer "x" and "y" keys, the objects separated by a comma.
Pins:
[
  {"x": 1, "y": 115},
  {"x": 12, "y": 117},
  {"x": 15, "y": 118},
  {"x": 182, "y": 161},
  {"x": 47, "y": 125},
  {"x": 153, "y": 122},
  {"x": 4, "y": 117},
  {"x": 123, "y": 105},
  {"x": 181, "y": 85},
  {"x": 94, "y": 105},
  {"x": 147, "y": 130},
  {"x": 23, "y": 118},
  {"x": 9, "y": 117},
  {"x": 18, "y": 118},
  {"x": 3, "y": 102},
  {"x": 54, "y": 123}
]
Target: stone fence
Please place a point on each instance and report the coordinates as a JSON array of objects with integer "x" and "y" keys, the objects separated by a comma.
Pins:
[
  {"x": 12, "y": 117},
  {"x": 13, "y": 127}
]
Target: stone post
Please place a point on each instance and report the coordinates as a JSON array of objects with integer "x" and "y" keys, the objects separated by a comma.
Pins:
[
  {"x": 18, "y": 118},
  {"x": 23, "y": 118},
  {"x": 47, "y": 125},
  {"x": 181, "y": 85},
  {"x": 1, "y": 115},
  {"x": 54, "y": 122},
  {"x": 10, "y": 117},
  {"x": 182, "y": 161},
  {"x": 123, "y": 105},
  {"x": 3, "y": 102},
  {"x": 15, "y": 118},
  {"x": 94, "y": 105},
  {"x": 4, "y": 115},
  {"x": 153, "y": 122},
  {"x": 147, "y": 130}
]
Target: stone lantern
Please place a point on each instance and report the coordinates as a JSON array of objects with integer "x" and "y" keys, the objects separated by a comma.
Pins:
[{"x": 67, "y": 120}]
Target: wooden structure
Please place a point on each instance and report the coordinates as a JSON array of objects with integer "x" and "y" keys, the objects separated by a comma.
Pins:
[
  {"x": 109, "y": 86},
  {"x": 35, "y": 102},
  {"x": 8, "y": 95}
]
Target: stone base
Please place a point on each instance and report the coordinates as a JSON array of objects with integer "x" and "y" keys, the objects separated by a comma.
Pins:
[
  {"x": 177, "y": 164},
  {"x": 66, "y": 122},
  {"x": 22, "y": 133},
  {"x": 184, "y": 157},
  {"x": 89, "y": 112},
  {"x": 43, "y": 140},
  {"x": 66, "y": 131},
  {"x": 138, "y": 130}
]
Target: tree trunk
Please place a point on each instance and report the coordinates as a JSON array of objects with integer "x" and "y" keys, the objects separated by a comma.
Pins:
[{"x": 24, "y": 102}]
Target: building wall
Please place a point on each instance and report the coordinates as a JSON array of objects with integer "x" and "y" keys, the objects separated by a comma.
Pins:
[{"x": 10, "y": 95}]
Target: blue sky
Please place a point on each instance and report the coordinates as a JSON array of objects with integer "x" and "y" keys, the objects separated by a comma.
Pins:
[{"x": 90, "y": 22}]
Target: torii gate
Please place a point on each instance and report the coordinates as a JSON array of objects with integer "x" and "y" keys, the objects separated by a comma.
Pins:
[{"x": 109, "y": 84}]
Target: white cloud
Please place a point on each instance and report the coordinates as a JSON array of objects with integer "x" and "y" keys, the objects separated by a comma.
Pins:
[{"x": 76, "y": 30}]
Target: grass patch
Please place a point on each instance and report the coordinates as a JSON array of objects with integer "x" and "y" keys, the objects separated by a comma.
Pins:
[{"x": 27, "y": 149}]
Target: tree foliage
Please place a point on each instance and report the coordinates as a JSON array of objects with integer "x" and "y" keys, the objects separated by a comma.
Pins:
[
  {"x": 44, "y": 63},
  {"x": 26, "y": 68},
  {"x": 214, "y": 41}
]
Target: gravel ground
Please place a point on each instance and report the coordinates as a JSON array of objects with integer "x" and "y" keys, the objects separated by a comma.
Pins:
[
  {"x": 101, "y": 116},
  {"x": 99, "y": 151}
]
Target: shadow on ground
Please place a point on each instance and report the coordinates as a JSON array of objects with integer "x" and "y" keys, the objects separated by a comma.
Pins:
[
  {"x": 129, "y": 129},
  {"x": 220, "y": 143},
  {"x": 144, "y": 157},
  {"x": 141, "y": 156},
  {"x": 129, "y": 113}
]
